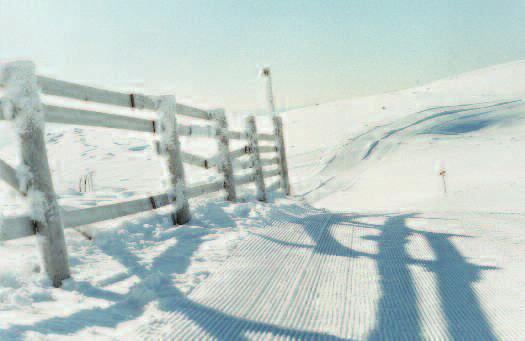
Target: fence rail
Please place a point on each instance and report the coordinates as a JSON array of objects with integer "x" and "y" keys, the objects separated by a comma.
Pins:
[
  {"x": 271, "y": 173},
  {"x": 198, "y": 161},
  {"x": 237, "y": 153},
  {"x": 165, "y": 128},
  {"x": 22, "y": 226},
  {"x": 8, "y": 174},
  {"x": 235, "y": 135},
  {"x": 267, "y": 149},
  {"x": 59, "y": 88}
]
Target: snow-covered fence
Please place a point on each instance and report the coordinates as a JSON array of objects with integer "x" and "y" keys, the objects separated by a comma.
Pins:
[
  {"x": 24, "y": 109},
  {"x": 255, "y": 161},
  {"x": 255, "y": 151},
  {"x": 278, "y": 132},
  {"x": 22, "y": 105},
  {"x": 225, "y": 166}
]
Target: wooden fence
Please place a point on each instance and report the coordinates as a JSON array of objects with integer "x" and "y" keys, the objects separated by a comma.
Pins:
[{"x": 22, "y": 106}]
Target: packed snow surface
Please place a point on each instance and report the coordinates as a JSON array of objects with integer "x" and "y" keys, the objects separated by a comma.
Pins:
[{"x": 406, "y": 223}]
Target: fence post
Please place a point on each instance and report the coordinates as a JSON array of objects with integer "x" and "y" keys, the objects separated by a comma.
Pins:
[
  {"x": 279, "y": 143},
  {"x": 253, "y": 145},
  {"x": 277, "y": 131},
  {"x": 169, "y": 148},
  {"x": 225, "y": 161},
  {"x": 267, "y": 73},
  {"x": 24, "y": 108}
]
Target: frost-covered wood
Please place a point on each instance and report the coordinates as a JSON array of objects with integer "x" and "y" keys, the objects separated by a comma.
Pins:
[
  {"x": 170, "y": 150},
  {"x": 106, "y": 212},
  {"x": 265, "y": 137},
  {"x": 267, "y": 74},
  {"x": 60, "y": 88},
  {"x": 198, "y": 161},
  {"x": 196, "y": 130},
  {"x": 168, "y": 131},
  {"x": 16, "y": 227},
  {"x": 235, "y": 135},
  {"x": 21, "y": 226},
  {"x": 2, "y": 101},
  {"x": 87, "y": 93},
  {"x": 267, "y": 149},
  {"x": 277, "y": 131},
  {"x": 65, "y": 115},
  {"x": 270, "y": 162},
  {"x": 244, "y": 179},
  {"x": 237, "y": 153},
  {"x": 271, "y": 173},
  {"x": 225, "y": 163},
  {"x": 24, "y": 108},
  {"x": 8, "y": 174},
  {"x": 186, "y": 110},
  {"x": 251, "y": 134},
  {"x": 245, "y": 164},
  {"x": 281, "y": 151},
  {"x": 204, "y": 188}
]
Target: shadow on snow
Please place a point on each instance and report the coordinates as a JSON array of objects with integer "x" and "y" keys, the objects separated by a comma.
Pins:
[{"x": 397, "y": 318}]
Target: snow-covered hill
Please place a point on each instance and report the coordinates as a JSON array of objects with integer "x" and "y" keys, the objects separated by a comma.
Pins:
[
  {"x": 386, "y": 151},
  {"x": 381, "y": 155}
]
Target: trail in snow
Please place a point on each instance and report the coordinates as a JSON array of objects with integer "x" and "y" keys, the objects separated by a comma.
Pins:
[
  {"x": 335, "y": 276},
  {"x": 350, "y": 159},
  {"x": 315, "y": 274},
  {"x": 434, "y": 121}
]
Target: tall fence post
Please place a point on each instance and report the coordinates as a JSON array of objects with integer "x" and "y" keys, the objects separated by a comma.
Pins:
[
  {"x": 170, "y": 149},
  {"x": 281, "y": 150},
  {"x": 225, "y": 162},
  {"x": 253, "y": 145},
  {"x": 24, "y": 108},
  {"x": 277, "y": 131},
  {"x": 267, "y": 73}
]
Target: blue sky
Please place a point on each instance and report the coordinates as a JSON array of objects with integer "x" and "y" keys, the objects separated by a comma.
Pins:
[{"x": 207, "y": 52}]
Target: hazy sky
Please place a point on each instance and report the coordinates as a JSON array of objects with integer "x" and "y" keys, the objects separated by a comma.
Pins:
[{"x": 208, "y": 52}]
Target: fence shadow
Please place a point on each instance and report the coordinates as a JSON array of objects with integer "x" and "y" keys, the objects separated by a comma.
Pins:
[
  {"x": 455, "y": 279},
  {"x": 397, "y": 312},
  {"x": 398, "y": 316}
]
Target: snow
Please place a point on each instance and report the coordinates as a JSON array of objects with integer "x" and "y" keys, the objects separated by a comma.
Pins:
[{"x": 369, "y": 247}]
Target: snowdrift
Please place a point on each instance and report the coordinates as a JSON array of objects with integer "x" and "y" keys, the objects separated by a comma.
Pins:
[{"x": 386, "y": 151}]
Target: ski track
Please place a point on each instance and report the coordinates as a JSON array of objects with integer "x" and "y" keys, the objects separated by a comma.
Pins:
[
  {"x": 359, "y": 152},
  {"x": 364, "y": 146},
  {"x": 316, "y": 275}
]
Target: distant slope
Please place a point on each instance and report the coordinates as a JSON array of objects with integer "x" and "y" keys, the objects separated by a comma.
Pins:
[{"x": 331, "y": 145}]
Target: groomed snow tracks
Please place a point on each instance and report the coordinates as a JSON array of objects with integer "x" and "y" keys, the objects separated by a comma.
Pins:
[{"x": 315, "y": 275}]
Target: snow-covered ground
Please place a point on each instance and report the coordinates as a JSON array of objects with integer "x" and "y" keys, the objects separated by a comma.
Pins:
[{"x": 369, "y": 247}]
